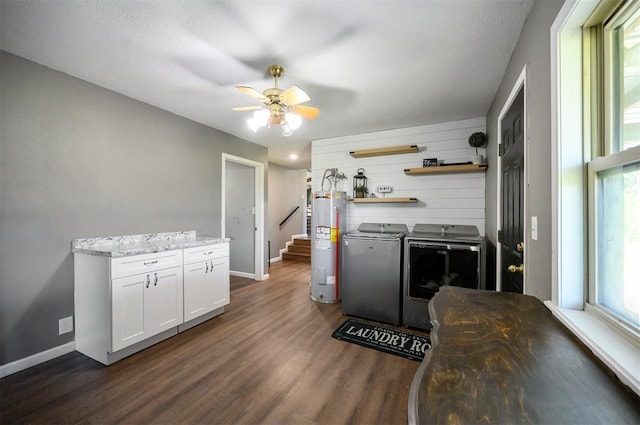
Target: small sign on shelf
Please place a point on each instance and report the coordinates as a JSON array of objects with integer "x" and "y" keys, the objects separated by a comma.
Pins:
[{"x": 430, "y": 162}]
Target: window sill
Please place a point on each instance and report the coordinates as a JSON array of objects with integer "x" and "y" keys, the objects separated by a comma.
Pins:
[{"x": 615, "y": 351}]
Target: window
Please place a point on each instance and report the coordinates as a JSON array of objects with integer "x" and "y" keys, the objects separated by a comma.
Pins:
[
  {"x": 595, "y": 157},
  {"x": 623, "y": 43},
  {"x": 617, "y": 242},
  {"x": 612, "y": 104}
]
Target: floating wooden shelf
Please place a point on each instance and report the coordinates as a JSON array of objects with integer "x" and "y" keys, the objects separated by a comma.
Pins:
[
  {"x": 463, "y": 168},
  {"x": 383, "y": 200},
  {"x": 393, "y": 150}
]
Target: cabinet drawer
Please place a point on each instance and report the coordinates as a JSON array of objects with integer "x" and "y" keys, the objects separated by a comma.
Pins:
[
  {"x": 205, "y": 252},
  {"x": 127, "y": 266}
]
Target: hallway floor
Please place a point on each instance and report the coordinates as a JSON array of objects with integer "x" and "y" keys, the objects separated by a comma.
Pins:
[{"x": 269, "y": 358}]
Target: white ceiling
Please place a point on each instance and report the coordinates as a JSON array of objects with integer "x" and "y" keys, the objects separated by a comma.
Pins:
[{"x": 368, "y": 65}]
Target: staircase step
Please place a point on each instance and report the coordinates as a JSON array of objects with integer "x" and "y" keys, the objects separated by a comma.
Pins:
[
  {"x": 302, "y": 241},
  {"x": 300, "y": 249},
  {"x": 296, "y": 257}
]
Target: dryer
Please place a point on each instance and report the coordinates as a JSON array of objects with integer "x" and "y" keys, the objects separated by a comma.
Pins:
[{"x": 436, "y": 255}]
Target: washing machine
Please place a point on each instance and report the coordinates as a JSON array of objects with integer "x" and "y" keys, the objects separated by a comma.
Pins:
[
  {"x": 371, "y": 272},
  {"x": 436, "y": 255}
]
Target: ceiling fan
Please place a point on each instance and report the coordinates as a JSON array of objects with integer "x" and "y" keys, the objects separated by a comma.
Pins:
[{"x": 280, "y": 106}]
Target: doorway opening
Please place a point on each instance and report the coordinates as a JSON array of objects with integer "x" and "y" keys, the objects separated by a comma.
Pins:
[{"x": 242, "y": 217}]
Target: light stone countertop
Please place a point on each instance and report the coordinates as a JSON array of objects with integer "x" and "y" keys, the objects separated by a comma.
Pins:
[{"x": 121, "y": 246}]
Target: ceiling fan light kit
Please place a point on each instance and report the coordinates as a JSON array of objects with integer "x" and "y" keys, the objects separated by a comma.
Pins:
[{"x": 280, "y": 106}]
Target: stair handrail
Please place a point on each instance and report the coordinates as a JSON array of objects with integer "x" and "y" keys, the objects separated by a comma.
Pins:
[{"x": 289, "y": 216}]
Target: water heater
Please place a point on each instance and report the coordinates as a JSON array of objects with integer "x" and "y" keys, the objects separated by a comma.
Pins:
[{"x": 328, "y": 220}]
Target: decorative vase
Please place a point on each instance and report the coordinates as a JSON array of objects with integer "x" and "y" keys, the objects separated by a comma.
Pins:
[{"x": 477, "y": 159}]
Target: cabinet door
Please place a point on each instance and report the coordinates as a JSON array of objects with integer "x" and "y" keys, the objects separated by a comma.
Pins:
[
  {"x": 198, "y": 289},
  {"x": 128, "y": 321},
  {"x": 164, "y": 300},
  {"x": 144, "y": 305},
  {"x": 220, "y": 273}
]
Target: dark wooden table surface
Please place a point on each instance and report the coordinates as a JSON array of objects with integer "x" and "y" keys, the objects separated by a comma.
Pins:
[{"x": 501, "y": 358}]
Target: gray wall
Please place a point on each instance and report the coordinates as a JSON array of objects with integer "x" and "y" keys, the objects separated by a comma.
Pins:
[
  {"x": 287, "y": 189},
  {"x": 533, "y": 49},
  {"x": 76, "y": 161}
]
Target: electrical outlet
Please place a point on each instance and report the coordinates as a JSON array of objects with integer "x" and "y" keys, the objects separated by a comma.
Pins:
[
  {"x": 65, "y": 325},
  {"x": 385, "y": 189}
]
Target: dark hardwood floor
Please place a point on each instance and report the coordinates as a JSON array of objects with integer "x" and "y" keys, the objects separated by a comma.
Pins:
[{"x": 269, "y": 358}]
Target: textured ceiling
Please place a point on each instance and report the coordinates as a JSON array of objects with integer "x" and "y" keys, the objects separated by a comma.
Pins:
[{"x": 368, "y": 65}]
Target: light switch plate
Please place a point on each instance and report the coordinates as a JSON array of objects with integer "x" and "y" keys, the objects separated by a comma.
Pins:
[
  {"x": 534, "y": 228},
  {"x": 65, "y": 325},
  {"x": 384, "y": 189}
]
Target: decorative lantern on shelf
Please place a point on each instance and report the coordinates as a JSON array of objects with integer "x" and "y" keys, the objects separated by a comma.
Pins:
[{"x": 360, "y": 184}]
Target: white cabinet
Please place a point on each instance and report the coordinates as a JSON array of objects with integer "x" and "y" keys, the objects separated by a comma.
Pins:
[
  {"x": 144, "y": 305},
  {"x": 125, "y": 304},
  {"x": 206, "y": 279}
]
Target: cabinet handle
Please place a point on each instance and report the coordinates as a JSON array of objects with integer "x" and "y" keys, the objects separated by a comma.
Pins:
[
  {"x": 148, "y": 281},
  {"x": 148, "y": 263},
  {"x": 211, "y": 265},
  {"x": 206, "y": 270},
  {"x": 155, "y": 282},
  {"x": 207, "y": 253}
]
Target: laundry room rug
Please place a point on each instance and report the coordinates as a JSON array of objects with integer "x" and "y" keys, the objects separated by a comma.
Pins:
[{"x": 384, "y": 339}]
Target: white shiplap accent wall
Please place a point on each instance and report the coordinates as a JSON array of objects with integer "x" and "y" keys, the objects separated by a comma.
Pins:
[{"x": 442, "y": 198}]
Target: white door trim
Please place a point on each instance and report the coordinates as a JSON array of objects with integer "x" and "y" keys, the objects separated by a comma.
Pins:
[
  {"x": 520, "y": 82},
  {"x": 259, "y": 205}
]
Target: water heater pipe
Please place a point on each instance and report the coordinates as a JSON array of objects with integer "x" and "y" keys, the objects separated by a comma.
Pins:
[{"x": 337, "y": 270}]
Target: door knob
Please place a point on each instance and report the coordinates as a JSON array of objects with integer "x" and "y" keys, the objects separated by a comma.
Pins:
[
  {"x": 513, "y": 268},
  {"x": 520, "y": 247}
]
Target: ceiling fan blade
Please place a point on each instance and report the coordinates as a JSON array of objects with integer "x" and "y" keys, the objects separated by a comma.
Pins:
[
  {"x": 293, "y": 96},
  {"x": 248, "y": 108},
  {"x": 252, "y": 92},
  {"x": 308, "y": 112}
]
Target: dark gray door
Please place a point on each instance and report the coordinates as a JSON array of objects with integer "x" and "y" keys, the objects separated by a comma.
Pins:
[
  {"x": 512, "y": 220},
  {"x": 240, "y": 224}
]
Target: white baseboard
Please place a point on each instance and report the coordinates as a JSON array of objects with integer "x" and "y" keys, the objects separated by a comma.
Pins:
[
  {"x": 283, "y": 250},
  {"x": 243, "y": 274},
  {"x": 249, "y": 276},
  {"x": 36, "y": 359}
]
